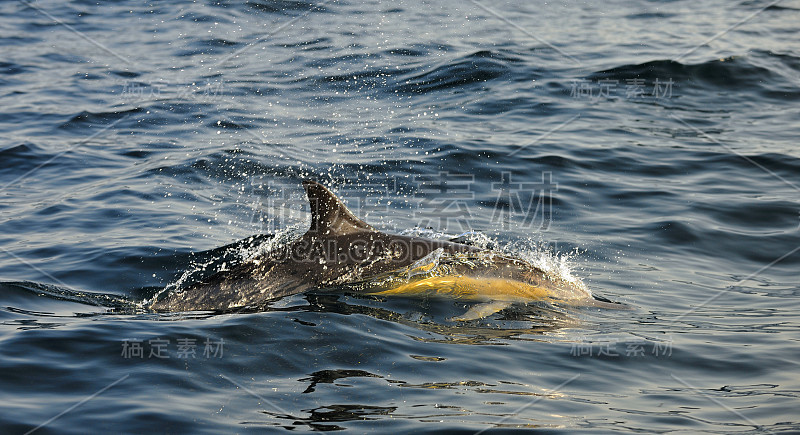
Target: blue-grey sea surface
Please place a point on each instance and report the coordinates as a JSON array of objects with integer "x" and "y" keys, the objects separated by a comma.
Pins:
[{"x": 646, "y": 148}]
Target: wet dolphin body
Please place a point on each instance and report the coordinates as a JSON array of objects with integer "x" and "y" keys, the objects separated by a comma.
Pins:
[{"x": 340, "y": 250}]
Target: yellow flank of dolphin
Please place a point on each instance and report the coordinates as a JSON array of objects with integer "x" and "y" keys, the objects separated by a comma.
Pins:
[{"x": 470, "y": 288}]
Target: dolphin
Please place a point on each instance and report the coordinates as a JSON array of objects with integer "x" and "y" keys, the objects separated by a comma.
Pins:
[{"x": 341, "y": 251}]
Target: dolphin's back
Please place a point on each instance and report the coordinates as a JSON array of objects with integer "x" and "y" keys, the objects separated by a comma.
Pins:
[
  {"x": 248, "y": 284},
  {"x": 337, "y": 249}
]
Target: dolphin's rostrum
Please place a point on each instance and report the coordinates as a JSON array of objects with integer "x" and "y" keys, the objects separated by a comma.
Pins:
[{"x": 340, "y": 250}]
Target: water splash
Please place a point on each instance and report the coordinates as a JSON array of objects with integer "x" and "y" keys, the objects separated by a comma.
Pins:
[{"x": 556, "y": 265}]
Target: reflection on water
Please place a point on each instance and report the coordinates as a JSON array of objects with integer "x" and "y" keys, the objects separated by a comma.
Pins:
[
  {"x": 25, "y": 324},
  {"x": 319, "y": 418},
  {"x": 329, "y": 376},
  {"x": 529, "y": 320}
]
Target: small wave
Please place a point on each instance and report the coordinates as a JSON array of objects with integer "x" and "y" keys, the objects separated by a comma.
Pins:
[
  {"x": 112, "y": 302},
  {"x": 208, "y": 46},
  {"x": 20, "y": 157},
  {"x": 284, "y": 6},
  {"x": 734, "y": 72},
  {"x": 227, "y": 125},
  {"x": 311, "y": 44},
  {"x": 776, "y": 7},
  {"x": 11, "y": 68},
  {"x": 479, "y": 67},
  {"x": 125, "y": 74},
  {"x": 85, "y": 118}
]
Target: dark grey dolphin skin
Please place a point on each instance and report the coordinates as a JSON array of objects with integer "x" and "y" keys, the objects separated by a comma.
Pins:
[
  {"x": 337, "y": 250},
  {"x": 340, "y": 250}
]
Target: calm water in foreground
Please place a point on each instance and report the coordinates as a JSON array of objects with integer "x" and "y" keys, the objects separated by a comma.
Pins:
[{"x": 647, "y": 148}]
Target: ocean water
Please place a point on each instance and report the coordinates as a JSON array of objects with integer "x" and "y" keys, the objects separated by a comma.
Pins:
[{"x": 648, "y": 149}]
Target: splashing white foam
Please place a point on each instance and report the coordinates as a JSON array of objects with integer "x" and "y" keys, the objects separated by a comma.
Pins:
[{"x": 557, "y": 265}]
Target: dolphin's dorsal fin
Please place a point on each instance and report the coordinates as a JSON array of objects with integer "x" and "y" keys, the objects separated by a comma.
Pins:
[{"x": 329, "y": 216}]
